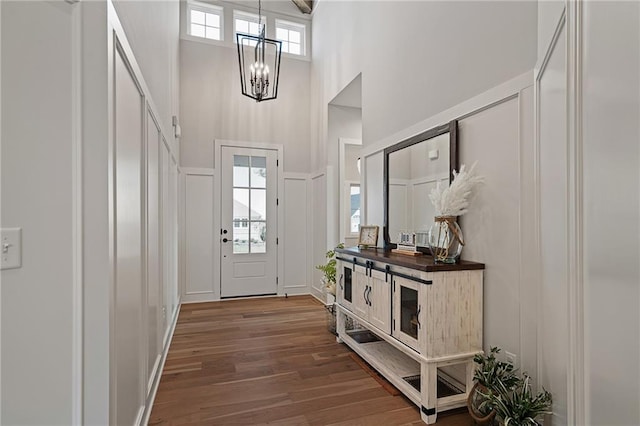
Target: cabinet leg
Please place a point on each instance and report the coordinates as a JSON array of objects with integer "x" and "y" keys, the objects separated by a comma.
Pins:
[
  {"x": 429, "y": 393},
  {"x": 428, "y": 415}
]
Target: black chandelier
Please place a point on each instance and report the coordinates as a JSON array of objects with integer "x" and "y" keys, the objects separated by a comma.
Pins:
[{"x": 260, "y": 80}]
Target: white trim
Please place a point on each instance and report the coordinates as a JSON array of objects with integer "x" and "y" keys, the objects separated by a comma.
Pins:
[
  {"x": 342, "y": 147},
  {"x": 1, "y": 213},
  {"x": 196, "y": 171},
  {"x": 304, "y": 177},
  {"x": 157, "y": 373},
  {"x": 295, "y": 176},
  {"x": 538, "y": 73},
  {"x": 249, "y": 17},
  {"x": 296, "y": 27},
  {"x": 481, "y": 102},
  {"x": 576, "y": 392},
  {"x": 204, "y": 8},
  {"x": 77, "y": 352}
]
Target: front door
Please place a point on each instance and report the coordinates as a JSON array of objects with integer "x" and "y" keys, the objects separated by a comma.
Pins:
[{"x": 249, "y": 222}]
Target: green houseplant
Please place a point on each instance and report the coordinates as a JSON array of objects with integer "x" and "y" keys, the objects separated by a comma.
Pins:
[
  {"x": 489, "y": 375},
  {"x": 329, "y": 271},
  {"x": 517, "y": 405}
]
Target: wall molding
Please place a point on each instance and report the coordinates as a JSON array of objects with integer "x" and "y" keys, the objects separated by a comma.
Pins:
[
  {"x": 157, "y": 372},
  {"x": 488, "y": 99},
  {"x": 77, "y": 353},
  {"x": 576, "y": 398}
]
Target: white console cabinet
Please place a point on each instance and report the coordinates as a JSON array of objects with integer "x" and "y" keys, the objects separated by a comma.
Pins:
[{"x": 418, "y": 323}]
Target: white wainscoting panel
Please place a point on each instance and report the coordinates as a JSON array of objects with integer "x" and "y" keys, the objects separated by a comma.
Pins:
[
  {"x": 154, "y": 260},
  {"x": 491, "y": 227},
  {"x": 199, "y": 237},
  {"x": 295, "y": 234},
  {"x": 128, "y": 245}
]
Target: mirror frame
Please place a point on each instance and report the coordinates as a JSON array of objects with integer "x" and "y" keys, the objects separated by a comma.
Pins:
[{"x": 452, "y": 129}]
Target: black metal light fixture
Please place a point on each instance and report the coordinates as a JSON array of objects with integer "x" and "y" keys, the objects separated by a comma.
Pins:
[{"x": 259, "y": 80}]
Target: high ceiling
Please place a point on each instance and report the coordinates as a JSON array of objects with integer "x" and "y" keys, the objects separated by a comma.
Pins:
[{"x": 284, "y": 7}]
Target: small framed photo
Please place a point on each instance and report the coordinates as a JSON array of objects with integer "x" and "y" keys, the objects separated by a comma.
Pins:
[{"x": 368, "y": 235}]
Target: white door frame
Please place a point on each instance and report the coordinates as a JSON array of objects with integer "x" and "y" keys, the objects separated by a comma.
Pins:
[
  {"x": 217, "y": 196},
  {"x": 342, "y": 148}
]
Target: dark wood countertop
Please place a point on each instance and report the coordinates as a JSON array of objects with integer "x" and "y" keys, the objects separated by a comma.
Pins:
[{"x": 420, "y": 263}]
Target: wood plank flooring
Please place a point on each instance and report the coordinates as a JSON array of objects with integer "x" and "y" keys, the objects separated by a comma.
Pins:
[{"x": 271, "y": 361}]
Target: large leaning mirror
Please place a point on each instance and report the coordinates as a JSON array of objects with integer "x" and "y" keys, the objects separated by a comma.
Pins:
[{"x": 411, "y": 169}]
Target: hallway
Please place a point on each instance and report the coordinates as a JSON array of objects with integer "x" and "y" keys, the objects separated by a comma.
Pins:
[{"x": 259, "y": 361}]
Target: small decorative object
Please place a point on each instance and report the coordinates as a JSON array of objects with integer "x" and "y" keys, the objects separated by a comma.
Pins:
[
  {"x": 445, "y": 236},
  {"x": 422, "y": 238},
  {"x": 407, "y": 244},
  {"x": 368, "y": 236},
  {"x": 329, "y": 270},
  {"x": 489, "y": 372}
]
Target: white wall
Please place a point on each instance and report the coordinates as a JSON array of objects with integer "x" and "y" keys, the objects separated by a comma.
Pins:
[
  {"x": 61, "y": 309},
  {"x": 152, "y": 28},
  {"x": 343, "y": 122},
  {"x": 611, "y": 148},
  {"x": 483, "y": 77},
  {"x": 477, "y": 45},
  {"x": 38, "y": 195},
  {"x": 213, "y": 107}
]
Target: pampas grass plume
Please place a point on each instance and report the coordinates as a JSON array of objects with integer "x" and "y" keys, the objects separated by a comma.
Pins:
[{"x": 454, "y": 199}]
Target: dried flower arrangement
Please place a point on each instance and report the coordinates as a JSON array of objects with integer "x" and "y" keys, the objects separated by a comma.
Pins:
[
  {"x": 454, "y": 199},
  {"x": 445, "y": 236}
]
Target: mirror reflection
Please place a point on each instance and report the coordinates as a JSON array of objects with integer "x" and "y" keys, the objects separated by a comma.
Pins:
[
  {"x": 412, "y": 173},
  {"x": 412, "y": 168}
]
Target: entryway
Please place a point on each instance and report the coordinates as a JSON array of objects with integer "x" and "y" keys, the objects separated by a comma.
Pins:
[{"x": 248, "y": 241}]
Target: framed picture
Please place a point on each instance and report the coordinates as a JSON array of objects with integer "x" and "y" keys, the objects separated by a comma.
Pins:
[{"x": 368, "y": 235}]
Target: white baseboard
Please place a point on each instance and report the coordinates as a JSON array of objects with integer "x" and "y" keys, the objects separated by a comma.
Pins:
[{"x": 157, "y": 374}]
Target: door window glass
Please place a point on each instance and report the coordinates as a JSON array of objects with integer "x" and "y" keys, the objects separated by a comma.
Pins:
[{"x": 249, "y": 204}]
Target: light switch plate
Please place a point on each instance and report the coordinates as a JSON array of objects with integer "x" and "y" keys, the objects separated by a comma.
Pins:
[{"x": 11, "y": 248}]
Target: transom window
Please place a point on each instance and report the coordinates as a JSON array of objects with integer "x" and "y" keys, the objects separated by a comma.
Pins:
[
  {"x": 291, "y": 35},
  {"x": 247, "y": 23},
  {"x": 205, "y": 21}
]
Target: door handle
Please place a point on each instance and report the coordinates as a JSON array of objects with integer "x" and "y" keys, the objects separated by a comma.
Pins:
[
  {"x": 341, "y": 276},
  {"x": 224, "y": 240},
  {"x": 224, "y": 231},
  {"x": 418, "y": 316},
  {"x": 368, "y": 293},
  {"x": 364, "y": 295}
]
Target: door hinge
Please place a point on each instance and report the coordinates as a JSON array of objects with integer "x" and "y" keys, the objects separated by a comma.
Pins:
[
  {"x": 277, "y": 163},
  {"x": 277, "y": 201},
  {"x": 394, "y": 286},
  {"x": 394, "y": 324},
  {"x": 277, "y": 240},
  {"x": 276, "y": 280}
]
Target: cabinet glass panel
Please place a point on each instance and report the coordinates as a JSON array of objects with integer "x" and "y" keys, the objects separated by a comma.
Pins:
[
  {"x": 348, "y": 288},
  {"x": 409, "y": 311}
]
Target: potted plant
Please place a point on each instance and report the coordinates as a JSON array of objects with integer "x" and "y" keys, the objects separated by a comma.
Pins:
[
  {"x": 490, "y": 373},
  {"x": 329, "y": 277},
  {"x": 518, "y": 405}
]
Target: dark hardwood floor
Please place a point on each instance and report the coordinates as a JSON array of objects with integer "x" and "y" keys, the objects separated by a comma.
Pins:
[{"x": 271, "y": 361}]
